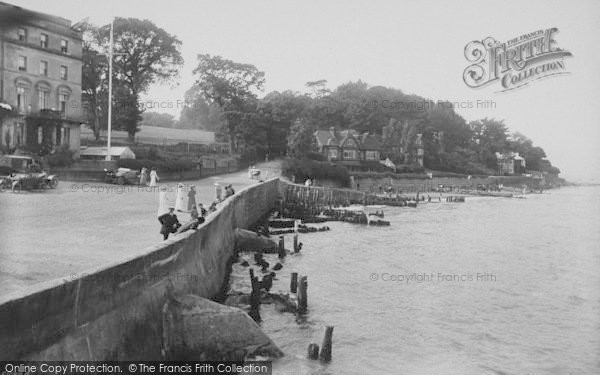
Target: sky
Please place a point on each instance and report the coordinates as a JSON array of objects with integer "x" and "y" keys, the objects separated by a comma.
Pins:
[{"x": 416, "y": 46}]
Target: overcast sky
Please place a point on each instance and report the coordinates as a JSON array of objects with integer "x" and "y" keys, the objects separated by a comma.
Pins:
[{"x": 416, "y": 46}]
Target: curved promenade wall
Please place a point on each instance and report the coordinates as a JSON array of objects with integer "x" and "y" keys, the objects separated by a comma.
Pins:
[{"x": 114, "y": 312}]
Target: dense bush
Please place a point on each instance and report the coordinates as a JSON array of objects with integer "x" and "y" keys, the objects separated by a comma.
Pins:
[
  {"x": 145, "y": 152},
  {"x": 421, "y": 176},
  {"x": 405, "y": 168},
  {"x": 301, "y": 169},
  {"x": 63, "y": 157},
  {"x": 316, "y": 156}
]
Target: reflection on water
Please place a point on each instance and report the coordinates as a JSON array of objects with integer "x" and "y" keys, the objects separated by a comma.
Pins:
[{"x": 429, "y": 312}]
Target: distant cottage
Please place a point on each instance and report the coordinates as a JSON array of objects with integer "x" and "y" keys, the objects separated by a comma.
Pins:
[
  {"x": 349, "y": 148},
  {"x": 510, "y": 164}
]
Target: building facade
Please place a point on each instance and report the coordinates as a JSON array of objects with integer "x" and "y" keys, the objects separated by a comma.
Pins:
[
  {"x": 349, "y": 148},
  {"x": 40, "y": 82},
  {"x": 510, "y": 164}
]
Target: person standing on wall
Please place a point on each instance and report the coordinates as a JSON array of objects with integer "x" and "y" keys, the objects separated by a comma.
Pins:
[
  {"x": 191, "y": 198},
  {"x": 218, "y": 191},
  {"x": 180, "y": 199}
]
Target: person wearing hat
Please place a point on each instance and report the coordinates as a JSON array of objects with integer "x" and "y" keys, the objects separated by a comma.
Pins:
[
  {"x": 163, "y": 202},
  {"x": 191, "y": 198},
  {"x": 153, "y": 178},
  {"x": 228, "y": 191},
  {"x": 169, "y": 222},
  {"x": 144, "y": 176},
  {"x": 180, "y": 199},
  {"x": 203, "y": 211},
  {"x": 218, "y": 191}
]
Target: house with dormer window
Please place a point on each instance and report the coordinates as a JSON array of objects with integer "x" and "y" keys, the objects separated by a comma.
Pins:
[{"x": 349, "y": 148}]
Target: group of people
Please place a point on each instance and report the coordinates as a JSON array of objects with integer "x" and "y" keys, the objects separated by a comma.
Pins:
[
  {"x": 148, "y": 179},
  {"x": 219, "y": 192},
  {"x": 166, "y": 211}
]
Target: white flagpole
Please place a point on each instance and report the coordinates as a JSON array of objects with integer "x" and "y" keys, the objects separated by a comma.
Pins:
[{"x": 110, "y": 64}]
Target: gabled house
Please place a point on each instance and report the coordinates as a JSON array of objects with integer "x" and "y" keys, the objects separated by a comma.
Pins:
[
  {"x": 349, "y": 148},
  {"x": 510, "y": 164}
]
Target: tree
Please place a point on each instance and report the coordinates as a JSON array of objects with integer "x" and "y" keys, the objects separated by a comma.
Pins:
[
  {"x": 230, "y": 85},
  {"x": 300, "y": 140},
  {"x": 318, "y": 88},
  {"x": 524, "y": 146},
  {"x": 198, "y": 113},
  {"x": 278, "y": 111},
  {"x": 490, "y": 136},
  {"x": 94, "y": 79},
  {"x": 163, "y": 120},
  {"x": 145, "y": 54}
]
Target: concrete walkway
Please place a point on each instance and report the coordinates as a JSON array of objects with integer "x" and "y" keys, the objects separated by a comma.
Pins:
[{"x": 60, "y": 233}]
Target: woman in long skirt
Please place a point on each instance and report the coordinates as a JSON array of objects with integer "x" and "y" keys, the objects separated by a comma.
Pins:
[
  {"x": 180, "y": 200},
  {"x": 191, "y": 198},
  {"x": 218, "y": 191},
  {"x": 153, "y": 178},
  {"x": 143, "y": 177},
  {"x": 163, "y": 202}
]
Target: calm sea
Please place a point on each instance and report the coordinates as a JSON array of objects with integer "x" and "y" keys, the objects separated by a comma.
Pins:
[{"x": 490, "y": 286}]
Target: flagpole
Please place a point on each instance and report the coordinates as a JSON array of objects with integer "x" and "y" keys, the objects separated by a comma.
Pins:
[{"x": 110, "y": 64}]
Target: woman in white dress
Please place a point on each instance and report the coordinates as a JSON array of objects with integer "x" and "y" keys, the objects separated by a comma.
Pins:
[
  {"x": 180, "y": 199},
  {"x": 163, "y": 202},
  {"x": 153, "y": 178}
]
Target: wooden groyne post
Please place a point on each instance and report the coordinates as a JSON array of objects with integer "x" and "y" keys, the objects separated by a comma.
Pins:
[
  {"x": 294, "y": 283},
  {"x": 254, "y": 297},
  {"x": 302, "y": 295},
  {"x": 281, "y": 247},
  {"x": 325, "y": 354},
  {"x": 313, "y": 351}
]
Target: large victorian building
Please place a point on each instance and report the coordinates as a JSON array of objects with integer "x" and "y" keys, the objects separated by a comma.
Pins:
[
  {"x": 349, "y": 148},
  {"x": 40, "y": 81}
]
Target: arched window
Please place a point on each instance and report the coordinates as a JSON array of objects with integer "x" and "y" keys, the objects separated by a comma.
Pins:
[
  {"x": 40, "y": 136},
  {"x": 43, "y": 89},
  {"x": 22, "y": 86},
  {"x": 64, "y": 93}
]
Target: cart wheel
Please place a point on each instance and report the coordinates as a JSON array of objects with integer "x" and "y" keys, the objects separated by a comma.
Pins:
[
  {"x": 121, "y": 180},
  {"x": 53, "y": 183}
]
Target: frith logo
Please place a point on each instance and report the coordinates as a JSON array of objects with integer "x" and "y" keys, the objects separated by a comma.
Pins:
[{"x": 515, "y": 63}]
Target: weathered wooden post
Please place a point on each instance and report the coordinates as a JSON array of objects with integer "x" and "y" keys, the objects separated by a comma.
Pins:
[
  {"x": 313, "y": 351},
  {"x": 294, "y": 282},
  {"x": 302, "y": 295},
  {"x": 325, "y": 354},
  {"x": 254, "y": 297},
  {"x": 296, "y": 243},
  {"x": 281, "y": 247},
  {"x": 266, "y": 224}
]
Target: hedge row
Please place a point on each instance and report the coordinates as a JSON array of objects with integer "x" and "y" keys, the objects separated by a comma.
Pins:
[
  {"x": 418, "y": 176},
  {"x": 302, "y": 169},
  {"x": 169, "y": 165}
]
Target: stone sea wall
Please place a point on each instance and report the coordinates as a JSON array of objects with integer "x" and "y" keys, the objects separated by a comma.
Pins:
[{"x": 114, "y": 312}]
